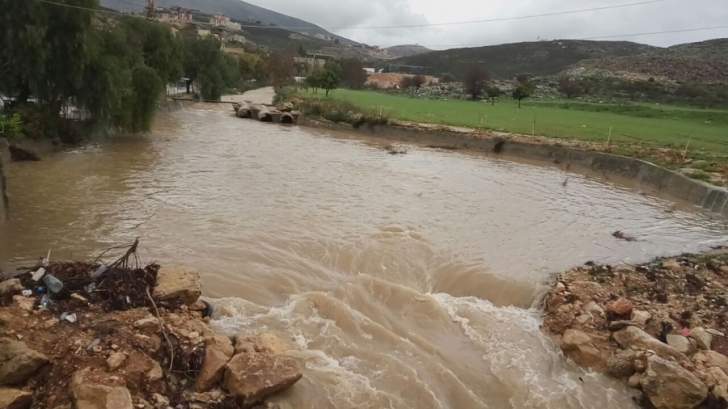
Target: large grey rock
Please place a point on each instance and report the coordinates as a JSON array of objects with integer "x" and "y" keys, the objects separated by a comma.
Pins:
[
  {"x": 680, "y": 343},
  {"x": 18, "y": 362},
  {"x": 218, "y": 351},
  {"x": 15, "y": 399},
  {"x": 255, "y": 374},
  {"x": 635, "y": 338},
  {"x": 177, "y": 285},
  {"x": 670, "y": 386},
  {"x": 578, "y": 346},
  {"x": 89, "y": 395}
]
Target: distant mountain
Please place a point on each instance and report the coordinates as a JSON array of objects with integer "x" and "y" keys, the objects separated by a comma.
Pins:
[
  {"x": 235, "y": 9},
  {"x": 508, "y": 60},
  {"x": 408, "y": 50}
]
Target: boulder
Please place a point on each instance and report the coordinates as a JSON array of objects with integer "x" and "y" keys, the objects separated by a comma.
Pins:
[
  {"x": 18, "y": 362},
  {"x": 702, "y": 337},
  {"x": 15, "y": 399},
  {"x": 218, "y": 351},
  {"x": 712, "y": 359},
  {"x": 670, "y": 386},
  {"x": 621, "y": 364},
  {"x": 680, "y": 343},
  {"x": 177, "y": 285},
  {"x": 578, "y": 346},
  {"x": 115, "y": 360},
  {"x": 10, "y": 287},
  {"x": 620, "y": 308},
  {"x": 89, "y": 395},
  {"x": 640, "y": 317},
  {"x": 254, "y": 374},
  {"x": 635, "y": 338}
]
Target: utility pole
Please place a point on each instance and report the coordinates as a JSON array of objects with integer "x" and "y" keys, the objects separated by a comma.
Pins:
[{"x": 151, "y": 8}]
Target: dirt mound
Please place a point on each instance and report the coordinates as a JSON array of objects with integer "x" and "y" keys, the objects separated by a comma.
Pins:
[
  {"x": 116, "y": 336},
  {"x": 655, "y": 324}
]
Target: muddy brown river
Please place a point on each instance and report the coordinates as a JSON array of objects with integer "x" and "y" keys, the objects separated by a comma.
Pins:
[{"x": 401, "y": 281}]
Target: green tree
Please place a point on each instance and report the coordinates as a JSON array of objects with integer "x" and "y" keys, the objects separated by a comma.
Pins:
[
  {"x": 524, "y": 89},
  {"x": 353, "y": 74},
  {"x": 147, "y": 88}
]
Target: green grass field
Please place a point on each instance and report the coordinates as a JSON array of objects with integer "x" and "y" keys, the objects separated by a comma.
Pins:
[{"x": 648, "y": 125}]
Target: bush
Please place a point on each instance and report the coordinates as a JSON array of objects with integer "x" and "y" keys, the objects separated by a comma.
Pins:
[
  {"x": 341, "y": 112},
  {"x": 11, "y": 126}
]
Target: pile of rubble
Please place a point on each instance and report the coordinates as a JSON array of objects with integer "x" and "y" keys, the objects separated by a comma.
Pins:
[
  {"x": 111, "y": 337},
  {"x": 660, "y": 326}
]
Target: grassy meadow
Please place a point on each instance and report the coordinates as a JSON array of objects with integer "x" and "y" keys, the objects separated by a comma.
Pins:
[{"x": 705, "y": 132}]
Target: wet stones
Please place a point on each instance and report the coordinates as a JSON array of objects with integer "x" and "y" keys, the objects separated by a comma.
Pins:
[
  {"x": 635, "y": 338},
  {"x": 669, "y": 386},
  {"x": 18, "y": 362},
  {"x": 177, "y": 285},
  {"x": 257, "y": 372},
  {"x": 218, "y": 352},
  {"x": 87, "y": 394},
  {"x": 661, "y": 328},
  {"x": 578, "y": 346}
]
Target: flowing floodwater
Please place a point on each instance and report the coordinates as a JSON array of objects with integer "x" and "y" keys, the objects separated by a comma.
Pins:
[{"x": 401, "y": 281}]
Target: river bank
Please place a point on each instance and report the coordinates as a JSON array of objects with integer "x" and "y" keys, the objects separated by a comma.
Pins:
[
  {"x": 661, "y": 327},
  {"x": 113, "y": 337}
]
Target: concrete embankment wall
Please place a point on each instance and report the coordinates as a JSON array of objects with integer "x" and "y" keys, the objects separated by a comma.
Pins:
[{"x": 644, "y": 174}]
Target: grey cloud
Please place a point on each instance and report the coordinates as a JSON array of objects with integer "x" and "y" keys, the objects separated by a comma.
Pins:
[{"x": 664, "y": 16}]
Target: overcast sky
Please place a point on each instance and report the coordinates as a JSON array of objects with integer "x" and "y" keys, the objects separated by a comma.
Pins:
[{"x": 352, "y": 18}]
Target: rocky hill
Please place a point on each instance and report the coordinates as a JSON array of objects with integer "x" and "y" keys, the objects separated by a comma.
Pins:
[
  {"x": 537, "y": 58},
  {"x": 703, "y": 62},
  {"x": 235, "y": 9}
]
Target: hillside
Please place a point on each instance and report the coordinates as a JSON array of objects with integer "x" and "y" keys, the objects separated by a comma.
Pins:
[
  {"x": 507, "y": 60},
  {"x": 235, "y": 9},
  {"x": 703, "y": 62},
  {"x": 407, "y": 50}
]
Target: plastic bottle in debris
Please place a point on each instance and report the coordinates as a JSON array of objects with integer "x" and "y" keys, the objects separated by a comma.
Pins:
[{"x": 53, "y": 284}]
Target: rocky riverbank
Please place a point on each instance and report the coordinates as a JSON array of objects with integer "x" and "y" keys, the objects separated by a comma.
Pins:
[
  {"x": 114, "y": 337},
  {"x": 659, "y": 326}
]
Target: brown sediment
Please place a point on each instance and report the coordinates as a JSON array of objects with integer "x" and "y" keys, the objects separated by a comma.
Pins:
[{"x": 659, "y": 323}]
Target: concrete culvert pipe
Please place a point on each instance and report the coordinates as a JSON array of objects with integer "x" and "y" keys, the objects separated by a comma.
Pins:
[
  {"x": 287, "y": 118},
  {"x": 265, "y": 116}
]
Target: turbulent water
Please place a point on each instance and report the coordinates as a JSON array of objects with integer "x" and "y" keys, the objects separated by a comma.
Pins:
[{"x": 401, "y": 281}]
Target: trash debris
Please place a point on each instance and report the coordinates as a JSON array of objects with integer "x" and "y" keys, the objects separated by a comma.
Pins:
[
  {"x": 38, "y": 274},
  {"x": 70, "y": 317},
  {"x": 99, "y": 271},
  {"x": 27, "y": 293},
  {"x": 53, "y": 284},
  {"x": 45, "y": 302}
]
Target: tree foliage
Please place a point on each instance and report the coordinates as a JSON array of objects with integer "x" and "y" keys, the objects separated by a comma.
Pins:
[
  {"x": 475, "y": 80},
  {"x": 353, "y": 74},
  {"x": 327, "y": 78},
  {"x": 524, "y": 89},
  {"x": 570, "y": 87}
]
